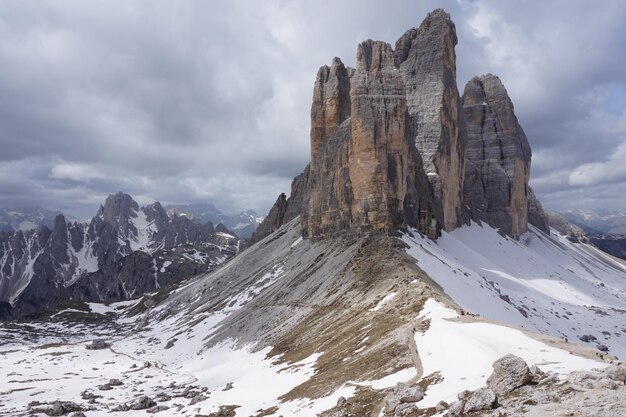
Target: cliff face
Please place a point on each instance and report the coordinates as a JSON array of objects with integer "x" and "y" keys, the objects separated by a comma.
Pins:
[
  {"x": 427, "y": 62},
  {"x": 393, "y": 145},
  {"x": 365, "y": 171},
  {"x": 497, "y": 157}
]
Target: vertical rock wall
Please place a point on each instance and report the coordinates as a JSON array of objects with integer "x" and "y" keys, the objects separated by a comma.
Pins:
[
  {"x": 427, "y": 62},
  {"x": 497, "y": 157}
]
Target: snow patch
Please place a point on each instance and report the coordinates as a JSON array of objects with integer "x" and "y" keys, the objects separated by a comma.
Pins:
[
  {"x": 464, "y": 353},
  {"x": 384, "y": 301}
]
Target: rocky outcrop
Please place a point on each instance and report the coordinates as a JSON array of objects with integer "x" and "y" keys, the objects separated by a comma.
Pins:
[
  {"x": 122, "y": 252},
  {"x": 561, "y": 225},
  {"x": 427, "y": 62},
  {"x": 286, "y": 209},
  {"x": 364, "y": 172},
  {"x": 536, "y": 215},
  {"x": 497, "y": 157},
  {"x": 509, "y": 372},
  {"x": 393, "y": 145}
]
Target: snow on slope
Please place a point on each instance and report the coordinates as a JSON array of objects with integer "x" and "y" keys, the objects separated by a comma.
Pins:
[
  {"x": 543, "y": 283},
  {"x": 177, "y": 356},
  {"x": 463, "y": 353}
]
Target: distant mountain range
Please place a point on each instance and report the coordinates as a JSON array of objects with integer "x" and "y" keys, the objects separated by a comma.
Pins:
[
  {"x": 27, "y": 218},
  {"x": 124, "y": 251},
  {"x": 598, "y": 220},
  {"x": 243, "y": 224}
]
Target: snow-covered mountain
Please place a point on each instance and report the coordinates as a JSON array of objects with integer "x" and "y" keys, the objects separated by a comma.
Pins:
[
  {"x": 335, "y": 324},
  {"x": 25, "y": 218},
  {"x": 243, "y": 224},
  {"x": 598, "y": 220},
  {"x": 122, "y": 252}
]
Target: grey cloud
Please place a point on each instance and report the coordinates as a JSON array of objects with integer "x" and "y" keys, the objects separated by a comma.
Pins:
[{"x": 191, "y": 101}]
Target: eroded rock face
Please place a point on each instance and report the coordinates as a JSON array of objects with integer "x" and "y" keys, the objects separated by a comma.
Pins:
[
  {"x": 536, "y": 215},
  {"x": 497, "y": 157},
  {"x": 393, "y": 145},
  {"x": 427, "y": 62},
  {"x": 286, "y": 209}
]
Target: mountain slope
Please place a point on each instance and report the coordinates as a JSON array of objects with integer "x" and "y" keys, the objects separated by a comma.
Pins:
[
  {"x": 322, "y": 319},
  {"x": 543, "y": 283}
]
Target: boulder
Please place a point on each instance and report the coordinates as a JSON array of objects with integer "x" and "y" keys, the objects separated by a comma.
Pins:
[
  {"x": 481, "y": 399},
  {"x": 404, "y": 409},
  {"x": 455, "y": 409},
  {"x": 408, "y": 394},
  {"x": 509, "y": 372},
  {"x": 143, "y": 403},
  {"x": 391, "y": 402}
]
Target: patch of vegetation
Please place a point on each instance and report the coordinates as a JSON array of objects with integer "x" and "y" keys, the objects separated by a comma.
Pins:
[{"x": 266, "y": 412}]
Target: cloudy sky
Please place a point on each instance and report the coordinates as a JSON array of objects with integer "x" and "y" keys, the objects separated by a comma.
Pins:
[{"x": 192, "y": 101}]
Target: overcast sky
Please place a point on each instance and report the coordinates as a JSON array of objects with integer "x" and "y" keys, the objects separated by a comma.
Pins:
[{"x": 192, "y": 101}]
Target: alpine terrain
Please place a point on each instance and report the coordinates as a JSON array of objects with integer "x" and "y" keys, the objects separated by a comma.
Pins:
[
  {"x": 410, "y": 272},
  {"x": 121, "y": 253}
]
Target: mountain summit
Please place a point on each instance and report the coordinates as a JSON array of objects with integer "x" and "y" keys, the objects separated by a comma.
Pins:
[{"x": 394, "y": 145}]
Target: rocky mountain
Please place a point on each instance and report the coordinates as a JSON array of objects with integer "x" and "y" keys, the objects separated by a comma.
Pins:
[
  {"x": 124, "y": 251},
  {"x": 25, "y": 218},
  {"x": 393, "y": 145},
  {"x": 409, "y": 273},
  {"x": 598, "y": 220},
  {"x": 243, "y": 224}
]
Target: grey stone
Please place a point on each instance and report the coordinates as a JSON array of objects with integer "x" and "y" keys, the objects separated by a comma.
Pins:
[
  {"x": 114, "y": 382},
  {"x": 143, "y": 403},
  {"x": 391, "y": 402},
  {"x": 404, "y": 409},
  {"x": 481, "y": 399},
  {"x": 157, "y": 409},
  {"x": 456, "y": 409},
  {"x": 57, "y": 409},
  {"x": 509, "y": 372},
  {"x": 197, "y": 398},
  {"x": 536, "y": 371},
  {"x": 408, "y": 394},
  {"x": 536, "y": 215},
  {"x": 441, "y": 406}
]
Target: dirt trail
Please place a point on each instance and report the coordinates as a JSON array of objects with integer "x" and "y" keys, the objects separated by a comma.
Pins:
[{"x": 415, "y": 357}]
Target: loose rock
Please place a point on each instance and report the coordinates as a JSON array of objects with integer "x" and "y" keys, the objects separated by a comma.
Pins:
[{"x": 509, "y": 372}]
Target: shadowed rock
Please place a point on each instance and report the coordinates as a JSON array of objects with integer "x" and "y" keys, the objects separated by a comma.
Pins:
[{"x": 497, "y": 157}]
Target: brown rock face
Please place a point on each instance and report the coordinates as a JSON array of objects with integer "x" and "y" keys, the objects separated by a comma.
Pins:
[
  {"x": 393, "y": 144},
  {"x": 497, "y": 158},
  {"x": 367, "y": 173},
  {"x": 427, "y": 62}
]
